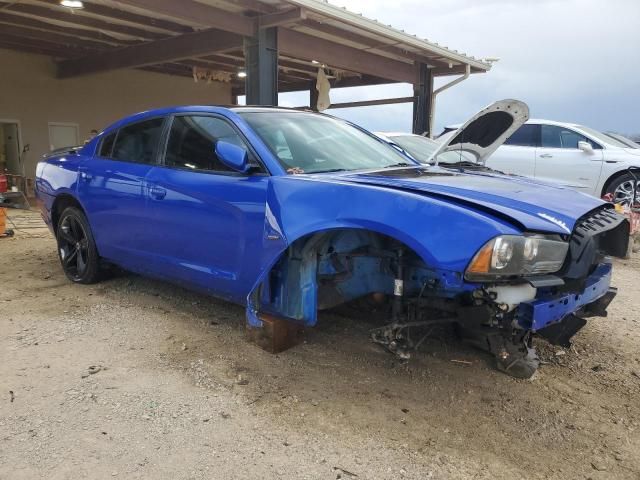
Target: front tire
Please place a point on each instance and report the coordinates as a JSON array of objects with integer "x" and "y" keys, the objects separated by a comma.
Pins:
[
  {"x": 77, "y": 248},
  {"x": 621, "y": 190}
]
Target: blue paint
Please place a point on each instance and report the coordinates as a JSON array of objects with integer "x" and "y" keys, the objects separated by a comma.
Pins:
[
  {"x": 549, "y": 308},
  {"x": 225, "y": 233}
]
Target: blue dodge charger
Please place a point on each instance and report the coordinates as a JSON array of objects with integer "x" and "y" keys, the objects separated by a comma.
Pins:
[{"x": 291, "y": 212}]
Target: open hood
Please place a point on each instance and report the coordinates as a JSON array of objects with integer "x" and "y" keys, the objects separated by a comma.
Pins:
[{"x": 483, "y": 133}]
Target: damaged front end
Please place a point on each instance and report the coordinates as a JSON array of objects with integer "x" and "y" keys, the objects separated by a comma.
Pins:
[{"x": 516, "y": 287}]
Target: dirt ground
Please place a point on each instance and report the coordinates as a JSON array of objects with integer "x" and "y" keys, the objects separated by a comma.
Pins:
[{"x": 133, "y": 378}]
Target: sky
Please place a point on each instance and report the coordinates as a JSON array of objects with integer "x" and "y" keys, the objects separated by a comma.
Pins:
[{"x": 576, "y": 61}]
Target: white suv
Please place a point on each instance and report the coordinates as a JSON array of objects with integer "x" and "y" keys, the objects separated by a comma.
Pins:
[{"x": 570, "y": 155}]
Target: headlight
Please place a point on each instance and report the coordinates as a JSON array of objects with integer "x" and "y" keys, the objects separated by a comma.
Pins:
[{"x": 515, "y": 255}]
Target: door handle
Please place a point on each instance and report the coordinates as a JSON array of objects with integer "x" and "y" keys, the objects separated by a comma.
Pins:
[
  {"x": 546, "y": 155},
  {"x": 157, "y": 192}
]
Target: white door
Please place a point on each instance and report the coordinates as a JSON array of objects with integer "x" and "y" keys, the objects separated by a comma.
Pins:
[
  {"x": 518, "y": 154},
  {"x": 63, "y": 135},
  {"x": 560, "y": 161}
]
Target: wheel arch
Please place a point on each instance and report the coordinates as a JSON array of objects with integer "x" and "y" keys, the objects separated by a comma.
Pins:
[
  {"x": 62, "y": 202},
  {"x": 614, "y": 176},
  {"x": 298, "y": 256}
]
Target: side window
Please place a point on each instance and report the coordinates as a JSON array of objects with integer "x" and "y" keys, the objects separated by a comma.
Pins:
[
  {"x": 106, "y": 147},
  {"x": 525, "y": 136},
  {"x": 560, "y": 137},
  {"x": 192, "y": 142},
  {"x": 138, "y": 142}
]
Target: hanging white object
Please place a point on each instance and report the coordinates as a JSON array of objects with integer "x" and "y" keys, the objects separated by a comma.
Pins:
[{"x": 323, "y": 86}]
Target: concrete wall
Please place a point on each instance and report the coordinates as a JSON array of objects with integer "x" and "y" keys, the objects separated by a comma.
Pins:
[{"x": 30, "y": 93}]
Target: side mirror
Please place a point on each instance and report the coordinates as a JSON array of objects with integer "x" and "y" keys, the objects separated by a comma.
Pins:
[
  {"x": 586, "y": 147},
  {"x": 233, "y": 156}
]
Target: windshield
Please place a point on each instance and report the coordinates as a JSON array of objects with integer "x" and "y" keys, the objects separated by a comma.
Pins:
[
  {"x": 601, "y": 137},
  {"x": 312, "y": 143},
  {"x": 421, "y": 148}
]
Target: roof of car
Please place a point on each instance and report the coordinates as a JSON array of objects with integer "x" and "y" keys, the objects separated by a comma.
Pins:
[{"x": 157, "y": 112}]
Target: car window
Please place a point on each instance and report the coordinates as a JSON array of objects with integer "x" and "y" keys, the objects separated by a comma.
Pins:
[
  {"x": 106, "y": 146},
  {"x": 559, "y": 137},
  {"x": 311, "y": 143},
  {"x": 192, "y": 142},
  {"x": 138, "y": 142},
  {"x": 525, "y": 136}
]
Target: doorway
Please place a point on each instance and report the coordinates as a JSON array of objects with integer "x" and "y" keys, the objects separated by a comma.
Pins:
[
  {"x": 10, "y": 147},
  {"x": 63, "y": 135}
]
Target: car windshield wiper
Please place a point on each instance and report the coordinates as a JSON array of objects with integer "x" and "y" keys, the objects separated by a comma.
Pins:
[
  {"x": 463, "y": 164},
  {"x": 401, "y": 164}
]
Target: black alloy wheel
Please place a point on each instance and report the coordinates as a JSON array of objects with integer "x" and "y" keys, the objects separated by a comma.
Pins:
[{"x": 76, "y": 247}]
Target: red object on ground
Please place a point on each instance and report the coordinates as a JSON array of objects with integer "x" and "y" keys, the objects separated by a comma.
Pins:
[{"x": 4, "y": 183}]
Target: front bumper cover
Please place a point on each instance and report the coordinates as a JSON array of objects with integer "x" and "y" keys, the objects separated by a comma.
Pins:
[{"x": 548, "y": 310}]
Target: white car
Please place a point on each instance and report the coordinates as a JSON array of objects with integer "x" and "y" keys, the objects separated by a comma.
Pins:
[{"x": 571, "y": 155}]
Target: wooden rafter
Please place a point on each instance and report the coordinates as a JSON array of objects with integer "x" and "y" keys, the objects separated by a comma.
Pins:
[
  {"x": 79, "y": 19},
  {"x": 119, "y": 14},
  {"x": 198, "y": 13},
  {"x": 83, "y": 33},
  {"x": 162, "y": 51},
  {"x": 50, "y": 37}
]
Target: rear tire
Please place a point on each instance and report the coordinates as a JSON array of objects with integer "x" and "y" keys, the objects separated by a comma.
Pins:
[{"x": 76, "y": 247}]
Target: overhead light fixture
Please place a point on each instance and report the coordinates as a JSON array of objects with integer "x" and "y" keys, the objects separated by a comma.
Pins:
[
  {"x": 242, "y": 74},
  {"x": 315, "y": 62},
  {"x": 73, "y": 4}
]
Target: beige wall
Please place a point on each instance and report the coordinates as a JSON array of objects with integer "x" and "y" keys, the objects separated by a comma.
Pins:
[{"x": 30, "y": 93}]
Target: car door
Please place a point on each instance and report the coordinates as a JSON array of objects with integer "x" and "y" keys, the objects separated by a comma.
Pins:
[
  {"x": 206, "y": 218},
  {"x": 111, "y": 188},
  {"x": 518, "y": 154},
  {"x": 560, "y": 161}
]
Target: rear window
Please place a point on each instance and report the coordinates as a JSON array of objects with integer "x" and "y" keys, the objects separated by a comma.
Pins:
[{"x": 138, "y": 142}]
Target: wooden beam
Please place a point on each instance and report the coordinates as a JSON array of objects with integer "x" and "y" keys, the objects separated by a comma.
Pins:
[
  {"x": 78, "y": 19},
  {"x": 119, "y": 14},
  {"x": 19, "y": 20},
  {"x": 307, "y": 47},
  {"x": 365, "y": 80},
  {"x": 370, "y": 103},
  {"x": 171, "y": 49},
  {"x": 284, "y": 18},
  {"x": 198, "y": 13},
  {"x": 50, "y": 37}
]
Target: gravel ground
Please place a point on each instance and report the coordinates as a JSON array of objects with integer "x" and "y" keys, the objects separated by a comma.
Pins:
[{"x": 133, "y": 378}]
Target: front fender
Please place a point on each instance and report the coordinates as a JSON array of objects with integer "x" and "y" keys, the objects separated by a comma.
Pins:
[{"x": 445, "y": 235}]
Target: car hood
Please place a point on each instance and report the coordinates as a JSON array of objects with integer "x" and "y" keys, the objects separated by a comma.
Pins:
[
  {"x": 632, "y": 151},
  {"x": 484, "y": 132},
  {"x": 531, "y": 205}
]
